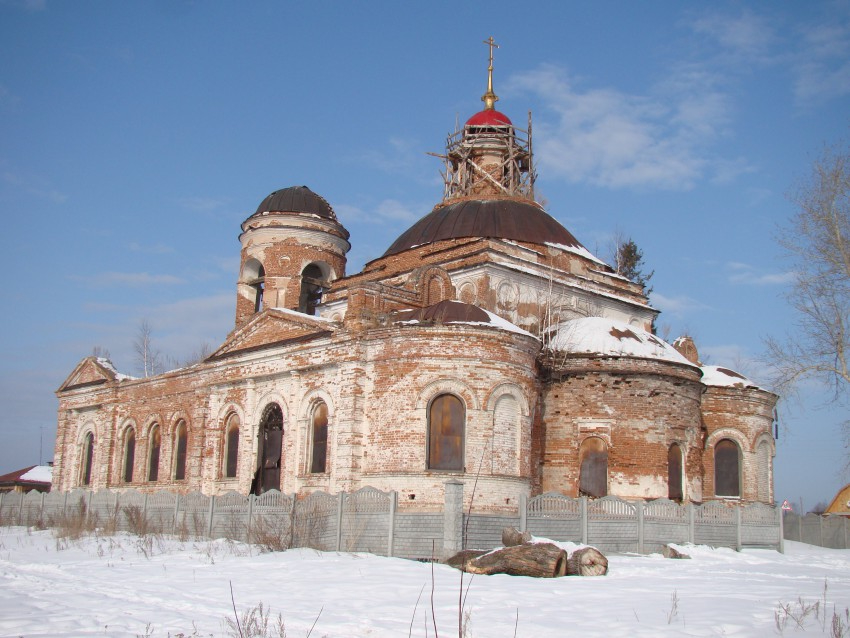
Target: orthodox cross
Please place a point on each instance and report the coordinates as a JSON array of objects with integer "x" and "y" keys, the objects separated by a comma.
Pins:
[{"x": 490, "y": 98}]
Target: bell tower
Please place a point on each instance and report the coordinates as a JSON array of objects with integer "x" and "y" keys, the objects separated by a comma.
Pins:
[
  {"x": 489, "y": 157},
  {"x": 293, "y": 247}
]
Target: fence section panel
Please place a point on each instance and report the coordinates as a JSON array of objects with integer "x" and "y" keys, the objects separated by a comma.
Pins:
[
  {"x": 664, "y": 521},
  {"x": 612, "y": 525},
  {"x": 553, "y": 515}
]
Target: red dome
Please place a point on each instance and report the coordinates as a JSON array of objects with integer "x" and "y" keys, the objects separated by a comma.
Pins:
[{"x": 489, "y": 117}]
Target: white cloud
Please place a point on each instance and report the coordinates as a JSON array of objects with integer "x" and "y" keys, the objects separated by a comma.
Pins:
[
  {"x": 609, "y": 138},
  {"x": 34, "y": 185},
  {"x": 746, "y": 274},
  {"x": 386, "y": 211},
  {"x": 822, "y": 63},
  {"x": 202, "y": 204},
  {"x": 746, "y": 36},
  {"x": 677, "y": 306},
  {"x": 128, "y": 279},
  {"x": 155, "y": 249}
]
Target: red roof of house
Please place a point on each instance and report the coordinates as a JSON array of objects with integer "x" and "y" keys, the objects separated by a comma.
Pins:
[{"x": 15, "y": 477}]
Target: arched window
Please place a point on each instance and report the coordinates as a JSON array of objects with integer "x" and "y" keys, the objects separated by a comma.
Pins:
[
  {"x": 180, "y": 440},
  {"x": 312, "y": 287},
  {"x": 727, "y": 469},
  {"x": 319, "y": 426},
  {"x": 87, "y": 455},
  {"x": 593, "y": 473},
  {"x": 674, "y": 473},
  {"x": 231, "y": 446},
  {"x": 154, "y": 447},
  {"x": 446, "y": 425},
  {"x": 129, "y": 455}
]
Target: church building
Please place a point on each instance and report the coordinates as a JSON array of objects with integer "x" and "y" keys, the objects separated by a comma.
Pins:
[{"x": 486, "y": 346}]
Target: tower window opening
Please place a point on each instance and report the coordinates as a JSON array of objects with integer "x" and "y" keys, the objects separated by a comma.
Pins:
[
  {"x": 312, "y": 288},
  {"x": 259, "y": 285}
]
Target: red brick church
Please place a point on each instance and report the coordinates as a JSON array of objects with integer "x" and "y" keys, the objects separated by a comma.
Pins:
[{"x": 486, "y": 345}]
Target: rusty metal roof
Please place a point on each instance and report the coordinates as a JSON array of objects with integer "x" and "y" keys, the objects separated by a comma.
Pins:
[
  {"x": 490, "y": 218},
  {"x": 446, "y": 312},
  {"x": 296, "y": 199}
]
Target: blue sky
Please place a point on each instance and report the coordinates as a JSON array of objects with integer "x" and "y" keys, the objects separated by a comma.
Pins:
[{"x": 136, "y": 137}]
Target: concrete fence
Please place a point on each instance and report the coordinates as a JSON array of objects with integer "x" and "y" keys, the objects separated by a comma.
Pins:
[
  {"x": 825, "y": 531},
  {"x": 369, "y": 520}
]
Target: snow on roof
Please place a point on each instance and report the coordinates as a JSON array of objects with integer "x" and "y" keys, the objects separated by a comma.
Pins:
[
  {"x": 578, "y": 250},
  {"x": 303, "y": 315},
  {"x": 458, "y": 313},
  {"x": 610, "y": 337},
  {"x": 39, "y": 474},
  {"x": 119, "y": 376},
  {"x": 719, "y": 376}
]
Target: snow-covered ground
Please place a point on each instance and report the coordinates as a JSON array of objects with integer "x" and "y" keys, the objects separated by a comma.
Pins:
[{"x": 123, "y": 585}]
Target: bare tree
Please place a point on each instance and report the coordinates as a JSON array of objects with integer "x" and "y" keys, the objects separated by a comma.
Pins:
[
  {"x": 100, "y": 352},
  {"x": 148, "y": 360},
  {"x": 818, "y": 243}
]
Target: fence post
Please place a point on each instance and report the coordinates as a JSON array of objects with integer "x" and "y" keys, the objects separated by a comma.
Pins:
[
  {"x": 523, "y": 512},
  {"x": 292, "y": 519},
  {"x": 21, "y": 509},
  {"x": 846, "y": 532},
  {"x": 145, "y": 510},
  {"x": 41, "y": 514},
  {"x": 393, "y": 506},
  {"x": 691, "y": 524},
  {"x": 738, "y": 529},
  {"x": 583, "y": 508},
  {"x": 452, "y": 518},
  {"x": 781, "y": 515},
  {"x": 1, "y": 506},
  {"x": 210, "y": 516},
  {"x": 176, "y": 513},
  {"x": 251, "y": 498},
  {"x": 640, "y": 526},
  {"x": 65, "y": 506},
  {"x": 820, "y": 529},
  {"x": 339, "y": 511},
  {"x": 800, "y": 527}
]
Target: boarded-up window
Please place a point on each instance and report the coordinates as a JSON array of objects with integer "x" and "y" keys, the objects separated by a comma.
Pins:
[
  {"x": 319, "y": 426},
  {"x": 446, "y": 422},
  {"x": 674, "y": 473},
  {"x": 727, "y": 469},
  {"x": 231, "y": 446},
  {"x": 154, "y": 447},
  {"x": 593, "y": 476},
  {"x": 88, "y": 453},
  {"x": 763, "y": 461},
  {"x": 504, "y": 458},
  {"x": 180, "y": 441},
  {"x": 129, "y": 455}
]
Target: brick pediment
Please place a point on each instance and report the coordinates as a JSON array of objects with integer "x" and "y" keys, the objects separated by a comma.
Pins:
[
  {"x": 91, "y": 371},
  {"x": 270, "y": 328}
]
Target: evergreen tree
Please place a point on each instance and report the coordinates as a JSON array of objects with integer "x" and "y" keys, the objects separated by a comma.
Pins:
[{"x": 628, "y": 260}]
